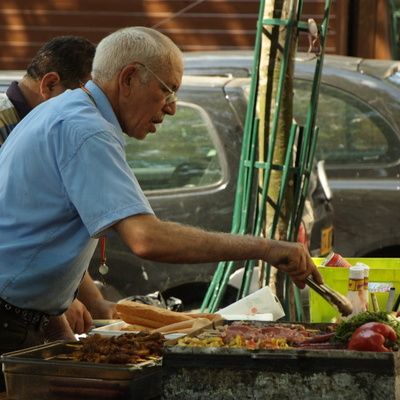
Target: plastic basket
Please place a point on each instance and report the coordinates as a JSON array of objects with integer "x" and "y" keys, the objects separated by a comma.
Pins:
[{"x": 381, "y": 270}]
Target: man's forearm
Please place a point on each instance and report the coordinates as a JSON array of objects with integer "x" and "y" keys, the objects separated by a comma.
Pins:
[
  {"x": 156, "y": 240},
  {"x": 170, "y": 242},
  {"x": 88, "y": 291}
]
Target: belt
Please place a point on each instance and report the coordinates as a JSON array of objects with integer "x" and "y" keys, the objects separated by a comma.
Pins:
[{"x": 31, "y": 317}]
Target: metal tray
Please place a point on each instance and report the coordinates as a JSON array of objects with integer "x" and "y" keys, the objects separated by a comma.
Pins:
[
  {"x": 116, "y": 329},
  {"x": 41, "y": 373}
]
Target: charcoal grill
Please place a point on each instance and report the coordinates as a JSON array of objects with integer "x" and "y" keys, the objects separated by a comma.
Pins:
[{"x": 229, "y": 374}]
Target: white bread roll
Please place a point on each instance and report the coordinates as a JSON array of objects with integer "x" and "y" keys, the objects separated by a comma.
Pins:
[{"x": 147, "y": 315}]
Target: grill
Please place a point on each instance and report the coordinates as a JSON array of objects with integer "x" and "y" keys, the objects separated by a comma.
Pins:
[{"x": 228, "y": 374}]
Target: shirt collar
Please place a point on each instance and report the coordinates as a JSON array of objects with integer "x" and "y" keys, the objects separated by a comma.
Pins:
[
  {"x": 18, "y": 100},
  {"x": 105, "y": 108}
]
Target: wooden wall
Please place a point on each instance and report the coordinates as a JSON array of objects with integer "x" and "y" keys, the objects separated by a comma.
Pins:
[
  {"x": 192, "y": 24},
  {"x": 370, "y": 36}
]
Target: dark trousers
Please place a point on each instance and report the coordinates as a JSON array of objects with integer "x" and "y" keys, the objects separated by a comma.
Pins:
[{"x": 19, "y": 329}]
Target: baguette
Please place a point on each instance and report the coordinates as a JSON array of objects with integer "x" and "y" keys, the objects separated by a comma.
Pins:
[
  {"x": 147, "y": 315},
  {"x": 176, "y": 327},
  {"x": 200, "y": 323},
  {"x": 209, "y": 316},
  {"x": 184, "y": 326},
  {"x": 135, "y": 320}
]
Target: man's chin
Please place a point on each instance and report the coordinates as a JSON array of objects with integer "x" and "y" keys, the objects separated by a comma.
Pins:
[{"x": 138, "y": 136}]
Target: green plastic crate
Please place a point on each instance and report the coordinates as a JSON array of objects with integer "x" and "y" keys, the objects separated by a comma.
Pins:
[{"x": 381, "y": 270}]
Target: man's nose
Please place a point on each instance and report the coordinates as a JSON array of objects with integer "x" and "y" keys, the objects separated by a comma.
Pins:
[{"x": 170, "y": 108}]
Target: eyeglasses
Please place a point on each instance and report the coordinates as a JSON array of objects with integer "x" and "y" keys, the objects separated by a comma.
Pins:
[{"x": 172, "y": 97}]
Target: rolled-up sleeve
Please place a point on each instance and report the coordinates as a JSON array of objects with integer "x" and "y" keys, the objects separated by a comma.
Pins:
[{"x": 101, "y": 185}]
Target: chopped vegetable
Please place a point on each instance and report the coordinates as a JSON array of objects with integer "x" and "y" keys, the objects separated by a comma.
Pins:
[
  {"x": 373, "y": 336},
  {"x": 346, "y": 328}
]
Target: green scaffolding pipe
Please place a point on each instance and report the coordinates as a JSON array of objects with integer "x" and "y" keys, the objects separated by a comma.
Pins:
[{"x": 306, "y": 144}]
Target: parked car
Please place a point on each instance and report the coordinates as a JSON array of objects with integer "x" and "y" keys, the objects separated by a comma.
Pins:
[
  {"x": 359, "y": 139},
  {"x": 188, "y": 171}
]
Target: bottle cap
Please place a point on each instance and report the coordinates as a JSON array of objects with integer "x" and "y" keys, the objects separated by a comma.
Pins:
[
  {"x": 365, "y": 266},
  {"x": 356, "y": 272}
]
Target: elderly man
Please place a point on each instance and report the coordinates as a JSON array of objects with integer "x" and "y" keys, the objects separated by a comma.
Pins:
[
  {"x": 64, "y": 62},
  {"x": 66, "y": 182}
]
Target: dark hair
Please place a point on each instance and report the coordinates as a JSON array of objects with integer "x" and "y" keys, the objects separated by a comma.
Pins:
[{"x": 70, "y": 56}]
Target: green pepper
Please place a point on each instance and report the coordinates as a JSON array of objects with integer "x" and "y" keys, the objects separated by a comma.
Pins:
[{"x": 373, "y": 336}]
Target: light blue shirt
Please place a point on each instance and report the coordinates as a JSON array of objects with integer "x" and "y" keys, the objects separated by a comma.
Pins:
[{"x": 63, "y": 181}]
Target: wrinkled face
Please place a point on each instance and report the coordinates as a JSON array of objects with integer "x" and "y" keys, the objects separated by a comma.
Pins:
[{"x": 144, "y": 105}]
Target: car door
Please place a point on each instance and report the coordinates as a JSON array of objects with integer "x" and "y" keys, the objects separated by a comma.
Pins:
[{"x": 359, "y": 141}]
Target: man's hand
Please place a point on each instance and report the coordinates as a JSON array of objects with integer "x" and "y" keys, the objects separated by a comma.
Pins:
[
  {"x": 294, "y": 259},
  {"x": 58, "y": 329},
  {"x": 78, "y": 317},
  {"x": 90, "y": 295}
]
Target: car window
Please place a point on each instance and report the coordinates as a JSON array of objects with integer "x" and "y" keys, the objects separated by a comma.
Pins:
[
  {"x": 182, "y": 154},
  {"x": 350, "y": 131}
]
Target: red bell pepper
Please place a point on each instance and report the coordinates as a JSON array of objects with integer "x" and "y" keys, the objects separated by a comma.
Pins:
[{"x": 373, "y": 336}]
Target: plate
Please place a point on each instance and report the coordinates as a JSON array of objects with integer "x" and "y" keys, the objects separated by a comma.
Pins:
[
  {"x": 115, "y": 329},
  {"x": 102, "y": 322}
]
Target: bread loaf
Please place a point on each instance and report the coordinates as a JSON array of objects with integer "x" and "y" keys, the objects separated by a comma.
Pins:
[
  {"x": 184, "y": 326},
  {"x": 147, "y": 315},
  {"x": 135, "y": 320},
  {"x": 209, "y": 316},
  {"x": 176, "y": 327}
]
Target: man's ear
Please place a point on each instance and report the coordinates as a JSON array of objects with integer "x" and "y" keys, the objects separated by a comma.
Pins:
[
  {"x": 48, "y": 85},
  {"x": 127, "y": 78}
]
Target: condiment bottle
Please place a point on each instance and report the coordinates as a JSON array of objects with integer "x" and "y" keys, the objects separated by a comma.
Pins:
[
  {"x": 356, "y": 289},
  {"x": 366, "y": 279}
]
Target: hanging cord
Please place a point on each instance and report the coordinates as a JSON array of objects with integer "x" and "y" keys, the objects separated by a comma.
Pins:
[
  {"x": 178, "y": 13},
  {"x": 103, "y": 268}
]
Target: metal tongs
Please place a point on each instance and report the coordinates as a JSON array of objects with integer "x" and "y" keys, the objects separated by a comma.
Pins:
[{"x": 333, "y": 297}]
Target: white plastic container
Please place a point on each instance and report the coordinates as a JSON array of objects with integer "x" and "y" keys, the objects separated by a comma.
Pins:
[
  {"x": 356, "y": 289},
  {"x": 366, "y": 281}
]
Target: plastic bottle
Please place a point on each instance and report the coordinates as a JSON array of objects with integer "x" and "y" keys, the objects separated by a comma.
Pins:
[
  {"x": 366, "y": 279},
  {"x": 356, "y": 289}
]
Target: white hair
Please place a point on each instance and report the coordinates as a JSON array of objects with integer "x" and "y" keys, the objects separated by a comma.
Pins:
[{"x": 127, "y": 45}]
